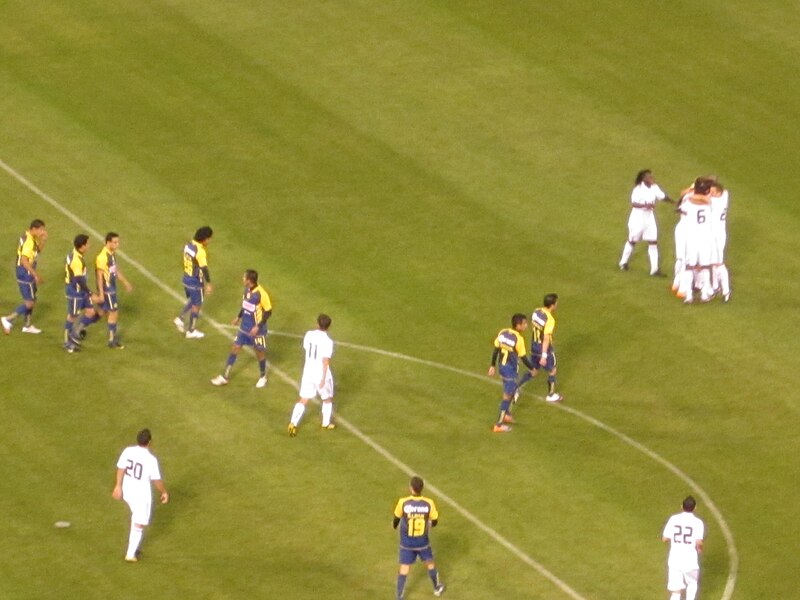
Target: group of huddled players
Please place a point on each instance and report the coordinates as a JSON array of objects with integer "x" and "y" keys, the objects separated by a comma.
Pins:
[{"x": 700, "y": 235}]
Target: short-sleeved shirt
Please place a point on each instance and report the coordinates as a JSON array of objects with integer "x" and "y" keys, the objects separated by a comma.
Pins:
[
  {"x": 683, "y": 530},
  {"x": 543, "y": 323},
  {"x": 642, "y": 194},
  {"x": 28, "y": 248},
  {"x": 415, "y": 514},
  {"x": 75, "y": 284},
  {"x": 106, "y": 263},
  {"x": 317, "y": 346},
  {"x": 141, "y": 467},
  {"x": 195, "y": 258},
  {"x": 255, "y": 305},
  {"x": 511, "y": 345}
]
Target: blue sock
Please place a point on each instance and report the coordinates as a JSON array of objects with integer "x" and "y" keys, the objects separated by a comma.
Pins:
[
  {"x": 401, "y": 585},
  {"x": 28, "y": 314},
  {"x": 434, "y": 575},
  {"x": 67, "y": 331},
  {"x": 262, "y": 364},
  {"x": 186, "y": 307},
  {"x": 551, "y": 384},
  {"x": 503, "y": 410},
  {"x": 192, "y": 321},
  {"x": 21, "y": 310},
  {"x": 229, "y": 365},
  {"x": 112, "y": 332}
]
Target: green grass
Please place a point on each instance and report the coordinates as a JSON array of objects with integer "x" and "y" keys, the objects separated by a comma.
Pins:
[{"x": 420, "y": 171}]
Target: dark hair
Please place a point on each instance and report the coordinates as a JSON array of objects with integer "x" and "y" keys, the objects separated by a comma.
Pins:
[
  {"x": 204, "y": 233},
  {"x": 689, "y": 503},
  {"x": 324, "y": 321},
  {"x": 80, "y": 240},
  {"x": 641, "y": 175},
  {"x": 36, "y": 224},
  {"x": 549, "y": 300},
  {"x": 517, "y": 319},
  {"x": 143, "y": 437},
  {"x": 110, "y": 236},
  {"x": 702, "y": 185},
  {"x": 251, "y": 275},
  {"x": 417, "y": 484}
]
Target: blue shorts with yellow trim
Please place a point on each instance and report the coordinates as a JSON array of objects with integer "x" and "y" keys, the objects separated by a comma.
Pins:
[
  {"x": 259, "y": 342},
  {"x": 550, "y": 364},
  {"x": 194, "y": 294},
  {"x": 27, "y": 289},
  {"x": 110, "y": 302},
  {"x": 409, "y": 555},
  {"x": 75, "y": 304}
]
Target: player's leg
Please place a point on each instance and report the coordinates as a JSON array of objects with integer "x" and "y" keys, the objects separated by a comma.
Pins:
[
  {"x": 552, "y": 368},
  {"x": 71, "y": 340},
  {"x": 635, "y": 231},
  {"x": 134, "y": 540},
  {"x": 526, "y": 377},
  {"x": 140, "y": 518},
  {"x": 724, "y": 282},
  {"x": 260, "y": 347},
  {"x": 196, "y": 301},
  {"x": 298, "y": 411},
  {"x": 504, "y": 418},
  {"x": 326, "y": 395},
  {"x": 691, "y": 577},
  {"x": 433, "y": 573},
  {"x": 402, "y": 575},
  {"x": 675, "y": 583},
  {"x": 651, "y": 237},
  {"x": 112, "y": 311}
]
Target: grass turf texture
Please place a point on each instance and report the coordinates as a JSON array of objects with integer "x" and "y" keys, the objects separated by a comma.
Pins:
[{"x": 420, "y": 171}]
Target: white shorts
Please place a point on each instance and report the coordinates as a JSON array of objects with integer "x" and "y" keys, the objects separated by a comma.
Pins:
[
  {"x": 140, "y": 509},
  {"x": 309, "y": 389},
  {"x": 680, "y": 241},
  {"x": 699, "y": 250},
  {"x": 677, "y": 578},
  {"x": 718, "y": 251},
  {"x": 642, "y": 226}
]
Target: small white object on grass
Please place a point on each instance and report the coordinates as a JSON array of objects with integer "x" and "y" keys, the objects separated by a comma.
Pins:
[{"x": 62, "y": 524}]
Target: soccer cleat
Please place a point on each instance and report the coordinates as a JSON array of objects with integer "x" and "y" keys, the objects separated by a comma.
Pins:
[
  {"x": 292, "y": 430},
  {"x": 31, "y": 329},
  {"x": 70, "y": 348},
  {"x": 688, "y": 300},
  {"x": 195, "y": 334},
  {"x": 74, "y": 339},
  {"x": 508, "y": 419},
  {"x": 329, "y": 426},
  {"x": 179, "y": 324},
  {"x": 219, "y": 380},
  {"x": 503, "y": 428},
  {"x": 658, "y": 273},
  {"x": 439, "y": 590},
  {"x": 131, "y": 559},
  {"x": 262, "y": 382},
  {"x": 624, "y": 267},
  {"x": 515, "y": 397},
  {"x": 726, "y": 297},
  {"x": 554, "y": 398},
  {"x": 116, "y": 345},
  {"x": 6, "y": 325}
]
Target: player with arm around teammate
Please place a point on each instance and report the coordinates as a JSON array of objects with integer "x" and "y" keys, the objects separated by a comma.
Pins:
[
  {"x": 415, "y": 515},
  {"x": 28, "y": 278},
  {"x": 137, "y": 469},
  {"x": 317, "y": 379},
  {"x": 509, "y": 350},
  {"x": 684, "y": 532}
]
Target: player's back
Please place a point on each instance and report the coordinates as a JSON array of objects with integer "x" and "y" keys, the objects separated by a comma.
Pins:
[
  {"x": 194, "y": 257},
  {"x": 415, "y": 514},
  {"x": 684, "y": 530},
  {"x": 719, "y": 211},
  {"x": 542, "y": 323},
  {"x": 698, "y": 217},
  {"x": 141, "y": 467},
  {"x": 317, "y": 345}
]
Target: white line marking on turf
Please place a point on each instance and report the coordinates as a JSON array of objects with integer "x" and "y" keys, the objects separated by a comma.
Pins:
[{"x": 223, "y": 329}]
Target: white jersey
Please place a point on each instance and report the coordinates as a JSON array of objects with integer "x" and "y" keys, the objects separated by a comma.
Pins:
[
  {"x": 719, "y": 221},
  {"x": 317, "y": 346},
  {"x": 642, "y": 220},
  {"x": 698, "y": 232},
  {"x": 683, "y": 531},
  {"x": 141, "y": 467}
]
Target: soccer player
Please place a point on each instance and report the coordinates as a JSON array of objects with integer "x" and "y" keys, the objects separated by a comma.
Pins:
[
  {"x": 317, "y": 378},
  {"x": 252, "y": 321},
  {"x": 196, "y": 281},
  {"x": 137, "y": 468},
  {"x": 107, "y": 275},
  {"x": 642, "y": 220},
  {"x": 416, "y": 514},
  {"x": 699, "y": 242},
  {"x": 719, "y": 219},
  {"x": 79, "y": 297},
  {"x": 684, "y": 532},
  {"x": 543, "y": 353},
  {"x": 509, "y": 349},
  {"x": 28, "y": 278}
]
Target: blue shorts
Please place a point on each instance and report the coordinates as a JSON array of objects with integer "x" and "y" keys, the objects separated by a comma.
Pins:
[
  {"x": 259, "y": 342},
  {"x": 408, "y": 556},
  {"x": 110, "y": 302},
  {"x": 194, "y": 294},
  {"x": 551, "y": 362},
  {"x": 75, "y": 304},
  {"x": 27, "y": 289},
  {"x": 509, "y": 382}
]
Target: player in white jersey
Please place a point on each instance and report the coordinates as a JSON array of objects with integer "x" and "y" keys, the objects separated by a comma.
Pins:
[
  {"x": 642, "y": 220},
  {"x": 137, "y": 468},
  {"x": 719, "y": 219},
  {"x": 699, "y": 242},
  {"x": 317, "y": 379},
  {"x": 684, "y": 532}
]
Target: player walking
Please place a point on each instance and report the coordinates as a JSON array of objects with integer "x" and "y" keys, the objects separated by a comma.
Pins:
[
  {"x": 317, "y": 379},
  {"x": 28, "y": 278},
  {"x": 684, "y": 532},
  {"x": 196, "y": 281},
  {"x": 509, "y": 350}
]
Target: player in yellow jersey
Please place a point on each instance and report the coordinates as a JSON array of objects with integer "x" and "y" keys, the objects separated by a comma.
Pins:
[
  {"x": 196, "y": 281},
  {"x": 79, "y": 297},
  {"x": 509, "y": 349},
  {"x": 543, "y": 352},
  {"x": 28, "y": 278},
  {"x": 108, "y": 274}
]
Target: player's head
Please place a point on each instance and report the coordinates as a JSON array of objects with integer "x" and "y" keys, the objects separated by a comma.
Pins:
[
  {"x": 80, "y": 241},
  {"x": 203, "y": 234},
  {"x": 143, "y": 437},
  {"x": 519, "y": 322},
  {"x": 550, "y": 300},
  {"x": 702, "y": 185},
  {"x": 36, "y": 224},
  {"x": 251, "y": 277},
  {"x": 323, "y": 321},
  {"x": 644, "y": 176},
  {"x": 416, "y": 485},
  {"x": 689, "y": 503},
  {"x": 112, "y": 240}
]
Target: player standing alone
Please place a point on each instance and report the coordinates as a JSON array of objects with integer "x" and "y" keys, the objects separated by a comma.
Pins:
[
  {"x": 416, "y": 514},
  {"x": 137, "y": 468},
  {"x": 196, "y": 281},
  {"x": 684, "y": 532},
  {"x": 642, "y": 220},
  {"x": 28, "y": 278},
  {"x": 317, "y": 378}
]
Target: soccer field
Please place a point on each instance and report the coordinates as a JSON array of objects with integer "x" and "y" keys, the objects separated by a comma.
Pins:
[{"x": 420, "y": 171}]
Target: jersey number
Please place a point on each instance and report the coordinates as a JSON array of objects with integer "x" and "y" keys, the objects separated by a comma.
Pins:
[
  {"x": 416, "y": 526},
  {"x": 701, "y": 217},
  {"x": 312, "y": 351},
  {"x": 134, "y": 469},
  {"x": 682, "y": 535}
]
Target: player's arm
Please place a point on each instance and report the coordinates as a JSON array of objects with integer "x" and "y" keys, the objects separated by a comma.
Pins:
[
  {"x": 101, "y": 280},
  {"x": 162, "y": 490},
  {"x": 398, "y": 514},
  {"x": 547, "y": 340},
  {"x": 495, "y": 354},
  {"x": 117, "y": 493},
  {"x": 325, "y": 366},
  {"x": 125, "y": 282},
  {"x": 27, "y": 264},
  {"x": 699, "y": 545}
]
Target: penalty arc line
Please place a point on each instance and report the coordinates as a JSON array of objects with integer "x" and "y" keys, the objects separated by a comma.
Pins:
[{"x": 219, "y": 327}]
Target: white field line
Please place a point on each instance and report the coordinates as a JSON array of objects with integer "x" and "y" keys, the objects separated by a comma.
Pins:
[{"x": 538, "y": 567}]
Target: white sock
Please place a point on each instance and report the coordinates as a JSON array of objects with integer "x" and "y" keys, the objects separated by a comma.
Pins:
[
  {"x": 724, "y": 280},
  {"x": 327, "y": 411},
  {"x": 626, "y": 253},
  {"x": 715, "y": 277},
  {"x": 675, "y": 596},
  {"x": 691, "y": 590},
  {"x": 652, "y": 252},
  {"x": 134, "y": 539},
  {"x": 297, "y": 413},
  {"x": 686, "y": 284},
  {"x": 705, "y": 283}
]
